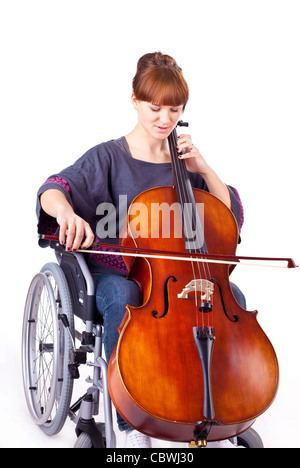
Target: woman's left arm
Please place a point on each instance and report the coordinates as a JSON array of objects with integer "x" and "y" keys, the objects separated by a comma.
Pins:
[{"x": 196, "y": 163}]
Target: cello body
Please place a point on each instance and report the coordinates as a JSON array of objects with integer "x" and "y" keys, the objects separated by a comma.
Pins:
[{"x": 157, "y": 380}]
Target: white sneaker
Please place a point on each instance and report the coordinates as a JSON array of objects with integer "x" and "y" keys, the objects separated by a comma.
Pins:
[
  {"x": 222, "y": 444},
  {"x": 135, "y": 439}
]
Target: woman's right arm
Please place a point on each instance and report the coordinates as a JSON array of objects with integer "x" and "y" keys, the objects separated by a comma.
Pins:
[{"x": 72, "y": 228}]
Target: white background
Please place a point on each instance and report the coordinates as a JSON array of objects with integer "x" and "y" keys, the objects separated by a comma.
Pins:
[{"x": 66, "y": 71}]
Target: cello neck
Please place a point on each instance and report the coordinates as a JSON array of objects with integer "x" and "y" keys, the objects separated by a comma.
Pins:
[{"x": 191, "y": 225}]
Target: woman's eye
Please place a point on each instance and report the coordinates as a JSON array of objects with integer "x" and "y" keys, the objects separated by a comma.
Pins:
[{"x": 175, "y": 110}]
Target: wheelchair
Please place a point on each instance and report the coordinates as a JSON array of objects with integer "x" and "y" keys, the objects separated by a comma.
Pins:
[{"x": 58, "y": 294}]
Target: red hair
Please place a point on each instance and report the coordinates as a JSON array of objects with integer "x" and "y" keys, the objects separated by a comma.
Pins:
[{"x": 159, "y": 80}]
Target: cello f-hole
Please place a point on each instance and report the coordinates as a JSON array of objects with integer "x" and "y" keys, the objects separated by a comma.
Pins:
[
  {"x": 166, "y": 296},
  {"x": 234, "y": 318}
]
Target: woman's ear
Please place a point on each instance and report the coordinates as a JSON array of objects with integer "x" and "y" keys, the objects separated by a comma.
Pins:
[{"x": 135, "y": 101}]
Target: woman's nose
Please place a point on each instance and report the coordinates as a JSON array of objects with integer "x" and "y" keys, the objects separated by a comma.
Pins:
[{"x": 165, "y": 117}]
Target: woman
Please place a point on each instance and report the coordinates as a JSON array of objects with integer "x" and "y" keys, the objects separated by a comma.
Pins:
[{"x": 111, "y": 175}]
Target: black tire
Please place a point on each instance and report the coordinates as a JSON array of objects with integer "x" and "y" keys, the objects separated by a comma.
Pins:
[
  {"x": 250, "y": 439},
  {"x": 85, "y": 441}
]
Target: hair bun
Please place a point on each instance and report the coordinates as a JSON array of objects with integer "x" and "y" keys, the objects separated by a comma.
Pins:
[{"x": 157, "y": 59}]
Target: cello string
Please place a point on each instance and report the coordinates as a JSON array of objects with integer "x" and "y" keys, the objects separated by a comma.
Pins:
[
  {"x": 183, "y": 198},
  {"x": 207, "y": 274},
  {"x": 199, "y": 233},
  {"x": 203, "y": 249},
  {"x": 189, "y": 221},
  {"x": 192, "y": 216}
]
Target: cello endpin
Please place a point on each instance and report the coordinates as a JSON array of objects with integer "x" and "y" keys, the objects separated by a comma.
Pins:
[{"x": 198, "y": 444}]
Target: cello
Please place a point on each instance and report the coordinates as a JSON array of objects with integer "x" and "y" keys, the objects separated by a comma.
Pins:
[{"x": 191, "y": 365}]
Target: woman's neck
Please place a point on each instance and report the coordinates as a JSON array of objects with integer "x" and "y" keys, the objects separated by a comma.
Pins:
[{"x": 146, "y": 148}]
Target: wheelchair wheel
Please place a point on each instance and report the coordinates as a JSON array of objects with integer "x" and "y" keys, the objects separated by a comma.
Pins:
[
  {"x": 250, "y": 439},
  {"x": 84, "y": 441},
  {"x": 46, "y": 346}
]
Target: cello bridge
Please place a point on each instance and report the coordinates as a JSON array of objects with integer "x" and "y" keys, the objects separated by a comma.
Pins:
[{"x": 205, "y": 287}]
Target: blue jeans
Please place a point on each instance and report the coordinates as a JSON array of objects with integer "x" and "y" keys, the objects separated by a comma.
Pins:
[{"x": 113, "y": 293}]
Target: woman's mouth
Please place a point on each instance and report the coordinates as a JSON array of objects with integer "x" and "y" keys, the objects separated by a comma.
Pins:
[{"x": 162, "y": 129}]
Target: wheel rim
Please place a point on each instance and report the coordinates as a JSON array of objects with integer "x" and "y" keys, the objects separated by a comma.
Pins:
[{"x": 41, "y": 349}]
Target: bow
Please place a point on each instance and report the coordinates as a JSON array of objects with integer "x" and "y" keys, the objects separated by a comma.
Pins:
[{"x": 180, "y": 256}]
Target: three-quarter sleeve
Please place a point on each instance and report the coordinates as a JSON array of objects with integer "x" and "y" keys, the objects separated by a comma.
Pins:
[
  {"x": 236, "y": 206},
  {"x": 46, "y": 223},
  {"x": 84, "y": 184}
]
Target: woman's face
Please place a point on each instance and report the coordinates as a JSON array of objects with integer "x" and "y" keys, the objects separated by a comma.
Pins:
[{"x": 156, "y": 120}]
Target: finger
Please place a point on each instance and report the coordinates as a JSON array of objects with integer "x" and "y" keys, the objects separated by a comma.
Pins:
[
  {"x": 89, "y": 237},
  {"x": 184, "y": 154},
  {"x": 184, "y": 139},
  {"x": 79, "y": 236},
  {"x": 62, "y": 232},
  {"x": 184, "y": 136},
  {"x": 186, "y": 145},
  {"x": 71, "y": 234},
  {"x": 189, "y": 153}
]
